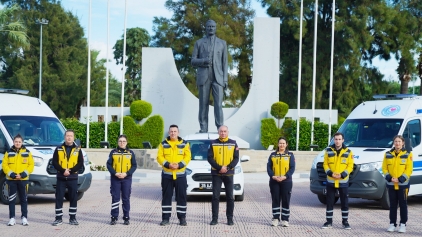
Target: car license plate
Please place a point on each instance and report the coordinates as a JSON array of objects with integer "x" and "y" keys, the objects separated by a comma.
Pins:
[{"x": 205, "y": 185}]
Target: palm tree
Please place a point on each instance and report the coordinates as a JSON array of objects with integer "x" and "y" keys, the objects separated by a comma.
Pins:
[{"x": 14, "y": 30}]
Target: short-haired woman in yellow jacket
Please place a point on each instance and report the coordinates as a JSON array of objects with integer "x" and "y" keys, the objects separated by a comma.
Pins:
[
  {"x": 17, "y": 165},
  {"x": 397, "y": 168}
]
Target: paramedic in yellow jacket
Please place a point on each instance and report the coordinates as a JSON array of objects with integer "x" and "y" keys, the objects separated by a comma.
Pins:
[
  {"x": 121, "y": 164},
  {"x": 223, "y": 156},
  {"x": 173, "y": 155},
  {"x": 67, "y": 160},
  {"x": 17, "y": 165},
  {"x": 397, "y": 168},
  {"x": 338, "y": 164},
  {"x": 280, "y": 167}
]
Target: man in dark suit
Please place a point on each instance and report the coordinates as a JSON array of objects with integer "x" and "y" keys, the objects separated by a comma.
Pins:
[{"x": 210, "y": 58}]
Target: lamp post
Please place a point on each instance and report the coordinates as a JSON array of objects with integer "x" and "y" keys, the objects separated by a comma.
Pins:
[{"x": 41, "y": 22}]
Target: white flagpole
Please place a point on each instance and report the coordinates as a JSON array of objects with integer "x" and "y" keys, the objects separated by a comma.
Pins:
[
  {"x": 331, "y": 70},
  {"x": 123, "y": 73},
  {"x": 106, "y": 99},
  {"x": 314, "y": 72},
  {"x": 299, "y": 82},
  {"x": 89, "y": 76}
]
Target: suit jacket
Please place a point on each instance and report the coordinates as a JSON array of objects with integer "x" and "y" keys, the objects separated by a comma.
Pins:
[{"x": 219, "y": 63}]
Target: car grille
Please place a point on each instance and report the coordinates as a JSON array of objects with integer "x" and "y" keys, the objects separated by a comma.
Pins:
[
  {"x": 202, "y": 177},
  {"x": 323, "y": 175},
  {"x": 52, "y": 170}
]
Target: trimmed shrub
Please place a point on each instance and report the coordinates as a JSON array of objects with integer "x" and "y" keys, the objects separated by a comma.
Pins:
[
  {"x": 279, "y": 110},
  {"x": 269, "y": 132},
  {"x": 140, "y": 109}
]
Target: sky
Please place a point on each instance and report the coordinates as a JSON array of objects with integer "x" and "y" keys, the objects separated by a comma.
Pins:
[{"x": 140, "y": 13}]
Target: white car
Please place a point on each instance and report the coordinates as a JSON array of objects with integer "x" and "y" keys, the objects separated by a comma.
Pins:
[{"x": 198, "y": 172}]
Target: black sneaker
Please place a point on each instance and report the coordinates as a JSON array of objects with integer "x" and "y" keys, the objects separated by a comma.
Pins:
[
  {"x": 126, "y": 222},
  {"x": 57, "y": 222},
  {"x": 113, "y": 221},
  {"x": 183, "y": 222},
  {"x": 214, "y": 222},
  {"x": 73, "y": 221},
  {"x": 165, "y": 222},
  {"x": 327, "y": 225},
  {"x": 346, "y": 225},
  {"x": 230, "y": 221}
]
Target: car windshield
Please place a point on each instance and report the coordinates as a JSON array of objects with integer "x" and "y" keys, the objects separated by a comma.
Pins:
[
  {"x": 377, "y": 133},
  {"x": 199, "y": 149},
  {"x": 35, "y": 130}
]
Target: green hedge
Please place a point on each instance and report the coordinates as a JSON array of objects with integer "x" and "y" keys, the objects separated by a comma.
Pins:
[
  {"x": 270, "y": 133},
  {"x": 152, "y": 130}
]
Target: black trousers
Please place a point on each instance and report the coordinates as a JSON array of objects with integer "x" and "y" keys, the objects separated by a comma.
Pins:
[
  {"x": 217, "y": 180},
  {"x": 179, "y": 185},
  {"x": 123, "y": 188},
  {"x": 281, "y": 191},
  {"x": 72, "y": 191},
  {"x": 398, "y": 197},
  {"x": 344, "y": 199},
  {"x": 18, "y": 187}
]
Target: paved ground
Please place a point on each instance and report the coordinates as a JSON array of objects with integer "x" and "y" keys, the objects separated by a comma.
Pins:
[{"x": 252, "y": 216}]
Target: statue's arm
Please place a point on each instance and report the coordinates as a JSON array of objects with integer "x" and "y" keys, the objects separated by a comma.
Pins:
[
  {"x": 225, "y": 65},
  {"x": 196, "y": 61}
]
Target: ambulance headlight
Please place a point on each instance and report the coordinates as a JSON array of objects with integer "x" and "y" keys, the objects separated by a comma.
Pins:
[
  {"x": 237, "y": 170},
  {"x": 38, "y": 161},
  {"x": 371, "y": 166},
  {"x": 188, "y": 171}
]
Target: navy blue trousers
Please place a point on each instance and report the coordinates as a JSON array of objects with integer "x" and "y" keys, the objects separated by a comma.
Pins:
[
  {"x": 281, "y": 191},
  {"x": 179, "y": 185},
  {"x": 217, "y": 180},
  {"x": 72, "y": 191},
  {"x": 123, "y": 188},
  {"x": 398, "y": 197},
  {"x": 16, "y": 187}
]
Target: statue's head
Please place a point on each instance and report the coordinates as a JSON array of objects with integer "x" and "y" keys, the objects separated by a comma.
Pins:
[{"x": 210, "y": 27}]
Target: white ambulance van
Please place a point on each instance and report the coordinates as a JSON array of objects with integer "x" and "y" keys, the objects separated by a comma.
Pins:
[
  {"x": 42, "y": 132},
  {"x": 368, "y": 132}
]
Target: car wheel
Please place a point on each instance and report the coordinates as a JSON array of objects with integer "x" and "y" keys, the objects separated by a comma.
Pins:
[
  {"x": 80, "y": 195},
  {"x": 239, "y": 198},
  {"x": 4, "y": 197},
  {"x": 385, "y": 200},
  {"x": 323, "y": 199}
]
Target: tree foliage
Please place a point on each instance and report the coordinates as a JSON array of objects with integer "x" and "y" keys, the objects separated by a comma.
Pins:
[
  {"x": 364, "y": 30},
  {"x": 187, "y": 25},
  {"x": 12, "y": 28},
  {"x": 279, "y": 110},
  {"x": 64, "y": 59},
  {"x": 136, "y": 38}
]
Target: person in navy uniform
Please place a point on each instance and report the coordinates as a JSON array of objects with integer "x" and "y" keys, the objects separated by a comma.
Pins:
[
  {"x": 121, "y": 164},
  {"x": 280, "y": 167}
]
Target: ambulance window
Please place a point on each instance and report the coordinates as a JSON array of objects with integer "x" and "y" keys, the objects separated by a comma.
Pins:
[
  {"x": 3, "y": 143},
  {"x": 413, "y": 132}
]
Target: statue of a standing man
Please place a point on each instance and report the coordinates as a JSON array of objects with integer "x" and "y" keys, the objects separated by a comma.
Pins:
[{"x": 210, "y": 58}]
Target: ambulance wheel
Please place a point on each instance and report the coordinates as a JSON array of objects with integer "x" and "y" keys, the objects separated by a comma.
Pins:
[
  {"x": 80, "y": 195},
  {"x": 4, "y": 197},
  {"x": 385, "y": 200},
  {"x": 323, "y": 199}
]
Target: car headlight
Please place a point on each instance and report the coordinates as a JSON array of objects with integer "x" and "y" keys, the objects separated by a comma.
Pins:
[
  {"x": 314, "y": 163},
  {"x": 86, "y": 160},
  {"x": 371, "y": 166},
  {"x": 38, "y": 161},
  {"x": 188, "y": 171},
  {"x": 237, "y": 170}
]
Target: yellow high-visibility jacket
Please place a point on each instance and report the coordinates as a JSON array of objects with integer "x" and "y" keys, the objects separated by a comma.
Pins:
[
  {"x": 18, "y": 161},
  {"x": 341, "y": 163},
  {"x": 173, "y": 152},
  {"x": 398, "y": 166}
]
